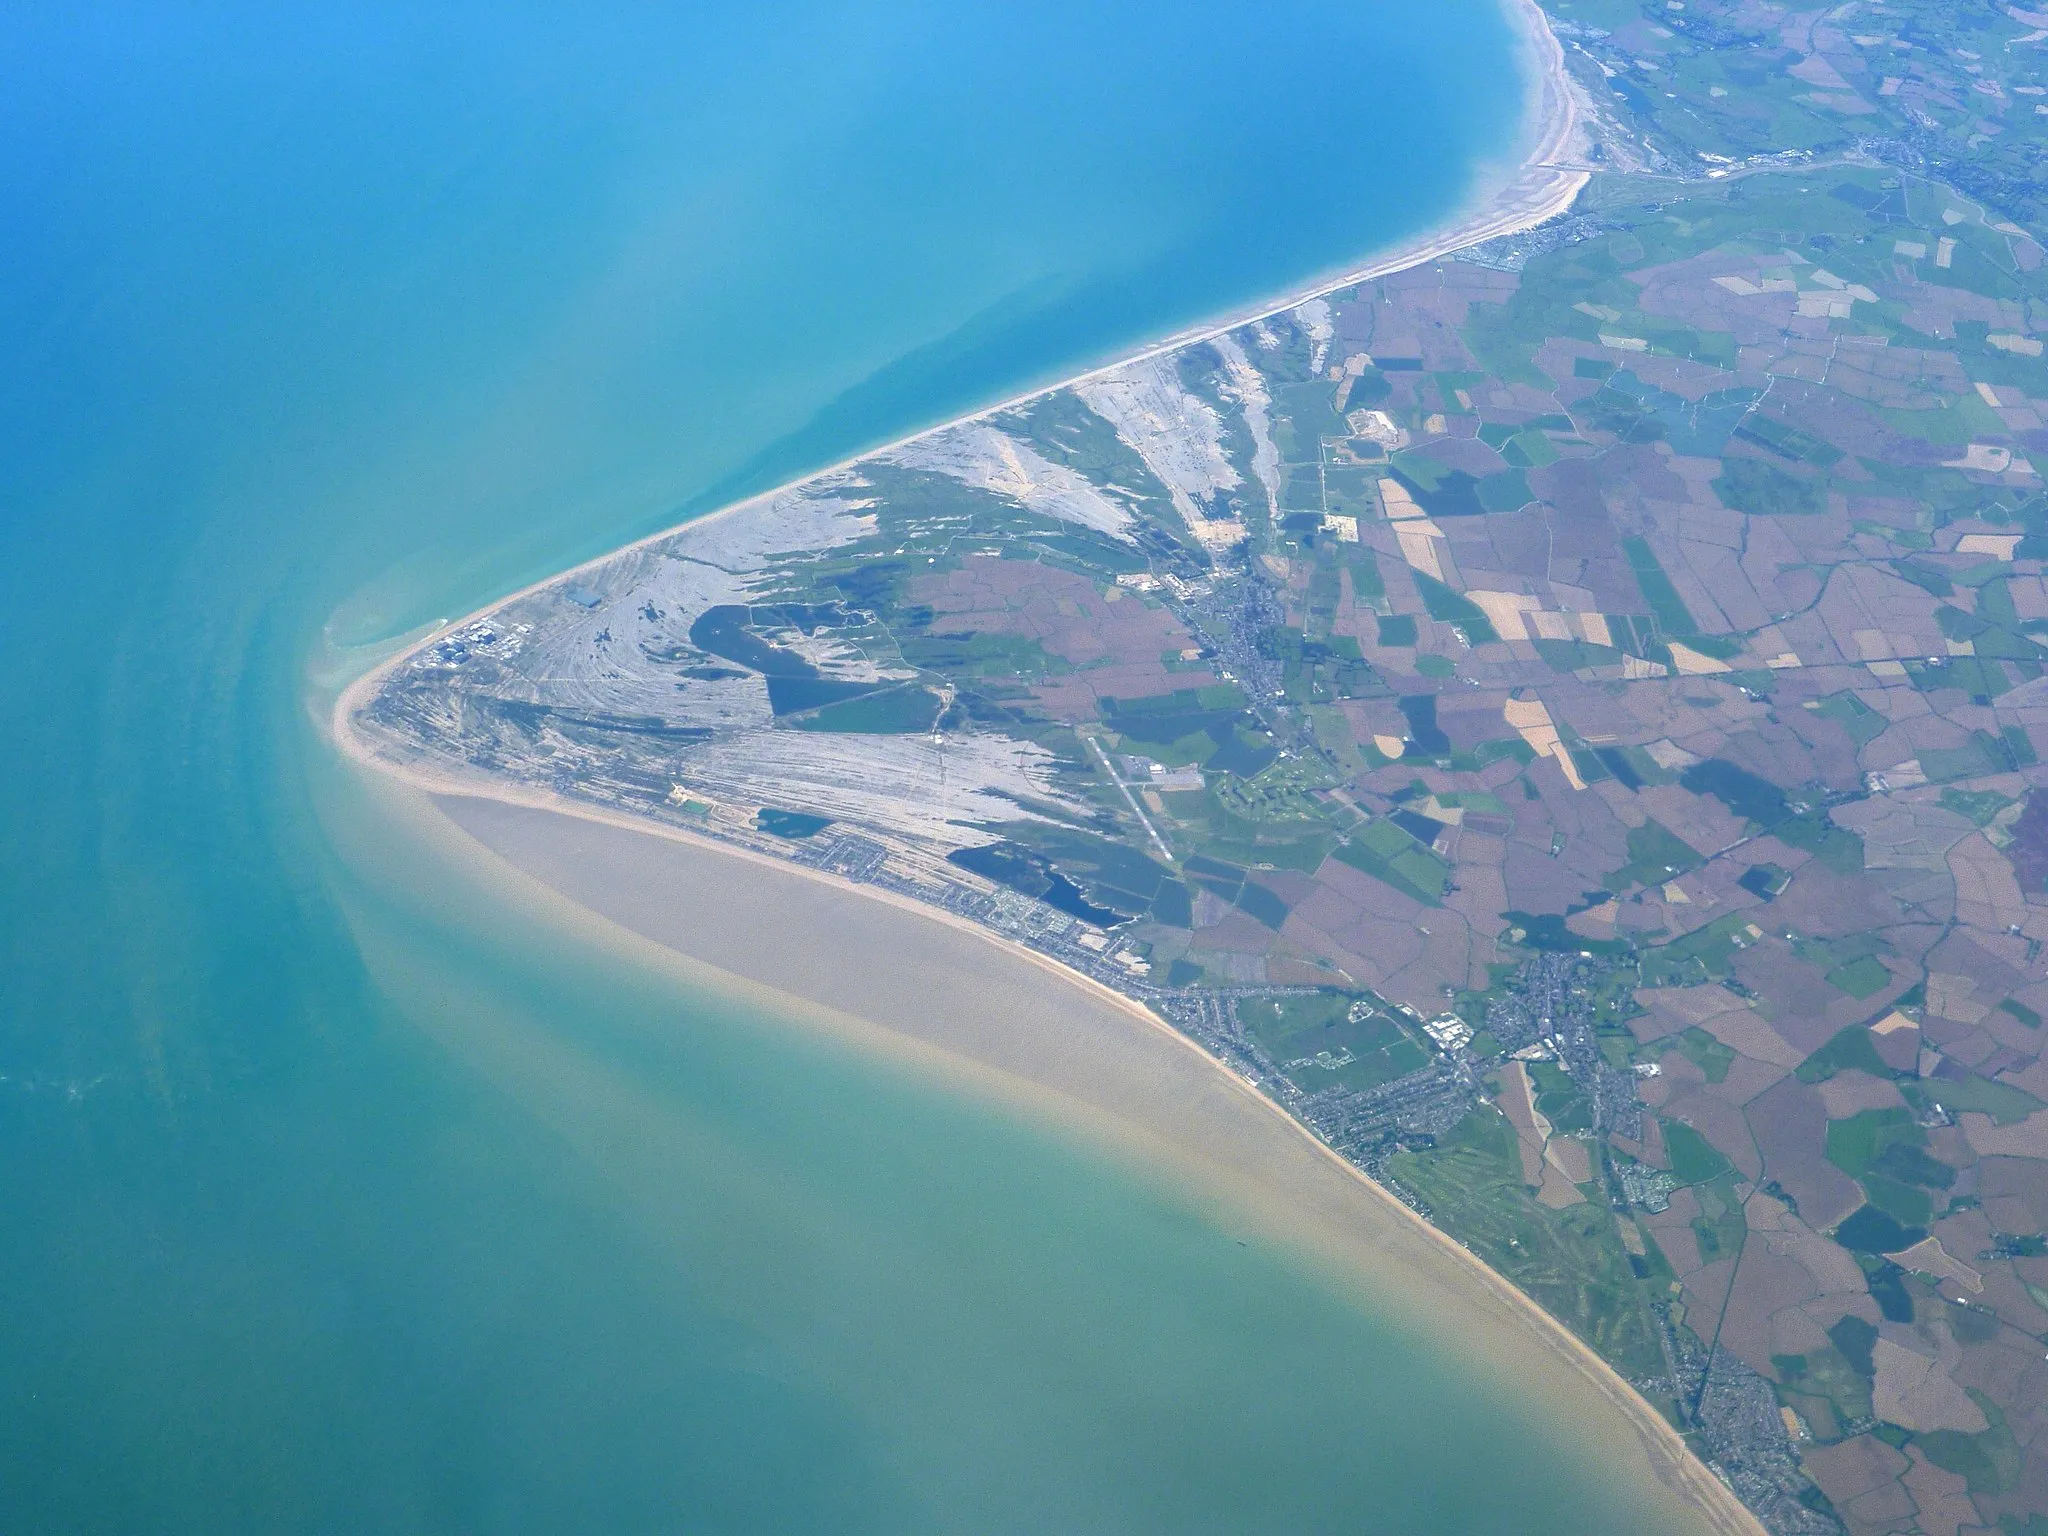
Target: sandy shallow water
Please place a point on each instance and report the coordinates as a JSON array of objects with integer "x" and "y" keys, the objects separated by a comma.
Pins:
[{"x": 990, "y": 1018}]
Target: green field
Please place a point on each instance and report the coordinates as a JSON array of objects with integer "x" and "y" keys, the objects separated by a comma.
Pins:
[{"x": 1571, "y": 1261}]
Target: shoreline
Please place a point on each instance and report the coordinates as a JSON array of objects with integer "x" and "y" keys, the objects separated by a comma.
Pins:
[
  {"x": 1537, "y": 189},
  {"x": 1504, "y": 208},
  {"x": 1196, "y": 1152}
]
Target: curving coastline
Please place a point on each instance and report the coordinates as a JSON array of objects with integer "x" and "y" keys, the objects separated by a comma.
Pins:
[
  {"x": 1064, "y": 1048},
  {"x": 529, "y": 830}
]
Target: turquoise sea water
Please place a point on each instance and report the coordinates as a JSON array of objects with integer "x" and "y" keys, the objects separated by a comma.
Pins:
[{"x": 338, "y": 1196}]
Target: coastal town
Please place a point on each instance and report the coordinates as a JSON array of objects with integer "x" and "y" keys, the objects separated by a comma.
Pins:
[{"x": 1564, "y": 719}]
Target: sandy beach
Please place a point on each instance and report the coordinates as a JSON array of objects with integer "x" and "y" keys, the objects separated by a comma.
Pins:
[
  {"x": 944, "y": 998},
  {"x": 942, "y": 995}
]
